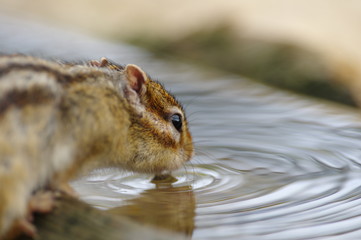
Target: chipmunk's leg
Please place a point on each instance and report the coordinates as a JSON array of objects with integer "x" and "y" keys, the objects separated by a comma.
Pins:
[
  {"x": 22, "y": 226},
  {"x": 40, "y": 202},
  {"x": 16, "y": 184}
]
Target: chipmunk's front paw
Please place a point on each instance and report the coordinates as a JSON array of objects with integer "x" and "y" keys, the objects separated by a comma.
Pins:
[{"x": 40, "y": 202}]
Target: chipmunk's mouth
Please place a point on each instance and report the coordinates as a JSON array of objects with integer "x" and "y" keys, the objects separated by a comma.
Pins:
[{"x": 164, "y": 178}]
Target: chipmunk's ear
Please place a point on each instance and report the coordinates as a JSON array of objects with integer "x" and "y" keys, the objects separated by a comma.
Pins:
[{"x": 136, "y": 78}]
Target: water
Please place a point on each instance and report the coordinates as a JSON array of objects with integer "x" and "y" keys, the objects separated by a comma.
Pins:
[{"x": 269, "y": 164}]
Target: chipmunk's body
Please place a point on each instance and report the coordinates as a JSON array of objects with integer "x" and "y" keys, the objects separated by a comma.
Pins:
[{"x": 57, "y": 120}]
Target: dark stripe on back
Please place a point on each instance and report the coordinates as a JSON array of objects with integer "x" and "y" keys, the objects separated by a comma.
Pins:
[
  {"x": 19, "y": 98},
  {"x": 60, "y": 77}
]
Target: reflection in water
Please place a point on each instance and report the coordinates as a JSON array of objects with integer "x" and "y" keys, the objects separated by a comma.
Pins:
[
  {"x": 269, "y": 165},
  {"x": 164, "y": 207},
  {"x": 167, "y": 203}
]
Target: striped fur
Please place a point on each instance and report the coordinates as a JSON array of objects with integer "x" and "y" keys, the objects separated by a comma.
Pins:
[{"x": 60, "y": 120}]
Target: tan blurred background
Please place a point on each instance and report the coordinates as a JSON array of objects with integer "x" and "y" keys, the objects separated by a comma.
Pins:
[{"x": 320, "y": 37}]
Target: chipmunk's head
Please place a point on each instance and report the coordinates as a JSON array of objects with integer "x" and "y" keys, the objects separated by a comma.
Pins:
[{"x": 159, "y": 132}]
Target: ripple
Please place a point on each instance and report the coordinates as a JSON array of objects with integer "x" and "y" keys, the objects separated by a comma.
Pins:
[
  {"x": 277, "y": 167},
  {"x": 256, "y": 204}
]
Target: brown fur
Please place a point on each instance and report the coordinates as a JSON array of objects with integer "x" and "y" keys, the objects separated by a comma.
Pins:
[{"x": 58, "y": 121}]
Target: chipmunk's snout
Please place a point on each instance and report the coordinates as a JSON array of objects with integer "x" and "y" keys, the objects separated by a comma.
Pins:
[
  {"x": 191, "y": 155},
  {"x": 188, "y": 148}
]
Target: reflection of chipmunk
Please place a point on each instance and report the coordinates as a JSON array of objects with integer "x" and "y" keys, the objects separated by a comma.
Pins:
[
  {"x": 170, "y": 208},
  {"x": 58, "y": 120}
]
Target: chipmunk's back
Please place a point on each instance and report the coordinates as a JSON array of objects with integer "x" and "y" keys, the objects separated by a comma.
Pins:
[
  {"x": 29, "y": 97},
  {"x": 47, "y": 110},
  {"x": 59, "y": 120}
]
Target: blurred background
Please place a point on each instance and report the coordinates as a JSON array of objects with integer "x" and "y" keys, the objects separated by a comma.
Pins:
[
  {"x": 269, "y": 164},
  {"x": 310, "y": 47}
]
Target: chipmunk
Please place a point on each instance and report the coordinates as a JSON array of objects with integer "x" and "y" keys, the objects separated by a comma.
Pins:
[{"x": 60, "y": 120}]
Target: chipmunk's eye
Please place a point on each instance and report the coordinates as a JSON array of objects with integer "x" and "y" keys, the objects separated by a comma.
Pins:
[{"x": 177, "y": 121}]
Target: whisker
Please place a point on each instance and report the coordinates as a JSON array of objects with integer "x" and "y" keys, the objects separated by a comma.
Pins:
[
  {"x": 200, "y": 141},
  {"x": 189, "y": 176},
  {"x": 185, "y": 170},
  {"x": 192, "y": 114},
  {"x": 199, "y": 153},
  {"x": 190, "y": 102}
]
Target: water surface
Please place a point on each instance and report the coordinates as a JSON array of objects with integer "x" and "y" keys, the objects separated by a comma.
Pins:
[{"x": 268, "y": 164}]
